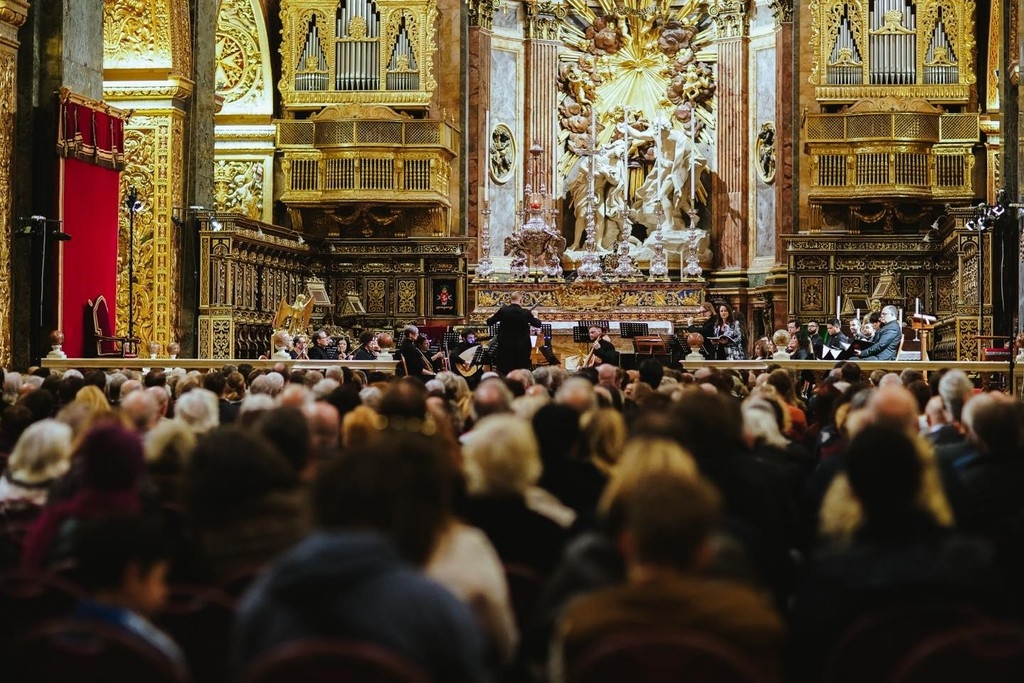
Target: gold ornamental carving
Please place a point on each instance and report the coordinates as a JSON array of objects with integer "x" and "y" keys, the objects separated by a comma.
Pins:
[
  {"x": 782, "y": 11},
  {"x": 588, "y": 296},
  {"x": 154, "y": 164},
  {"x": 544, "y": 19},
  {"x": 481, "y": 12},
  {"x": 238, "y": 187},
  {"x": 730, "y": 17},
  {"x": 136, "y": 34},
  {"x": 12, "y": 15},
  {"x": 8, "y": 91},
  {"x": 243, "y": 71}
]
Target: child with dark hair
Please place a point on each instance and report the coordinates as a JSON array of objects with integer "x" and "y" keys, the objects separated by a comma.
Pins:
[{"x": 122, "y": 563}]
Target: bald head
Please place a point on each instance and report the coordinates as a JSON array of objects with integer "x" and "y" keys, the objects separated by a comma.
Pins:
[
  {"x": 141, "y": 409},
  {"x": 606, "y": 373},
  {"x": 895, "y": 408},
  {"x": 516, "y": 297}
]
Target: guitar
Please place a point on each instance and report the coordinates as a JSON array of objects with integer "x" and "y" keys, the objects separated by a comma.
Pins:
[{"x": 466, "y": 365}]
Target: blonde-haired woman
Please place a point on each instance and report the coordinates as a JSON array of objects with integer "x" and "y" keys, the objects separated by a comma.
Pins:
[
  {"x": 42, "y": 455},
  {"x": 501, "y": 461}
]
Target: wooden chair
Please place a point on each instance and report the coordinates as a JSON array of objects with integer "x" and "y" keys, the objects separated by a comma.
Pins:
[
  {"x": 333, "y": 661},
  {"x": 658, "y": 657},
  {"x": 107, "y": 343},
  {"x": 993, "y": 653},
  {"x": 88, "y": 651},
  {"x": 199, "y": 619},
  {"x": 872, "y": 646}
]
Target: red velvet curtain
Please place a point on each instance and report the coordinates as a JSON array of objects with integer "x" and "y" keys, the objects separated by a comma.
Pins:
[{"x": 91, "y": 142}]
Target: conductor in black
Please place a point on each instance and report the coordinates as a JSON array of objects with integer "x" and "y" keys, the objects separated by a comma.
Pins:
[{"x": 513, "y": 350}]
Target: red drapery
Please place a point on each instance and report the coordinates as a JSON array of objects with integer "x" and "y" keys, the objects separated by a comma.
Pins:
[{"x": 91, "y": 144}]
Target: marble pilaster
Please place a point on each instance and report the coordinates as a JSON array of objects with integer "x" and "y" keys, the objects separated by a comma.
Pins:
[
  {"x": 730, "y": 189},
  {"x": 541, "y": 53},
  {"x": 785, "y": 107},
  {"x": 479, "y": 94}
]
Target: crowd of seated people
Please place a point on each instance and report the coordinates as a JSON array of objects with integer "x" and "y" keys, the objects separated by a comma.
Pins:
[{"x": 528, "y": 530}]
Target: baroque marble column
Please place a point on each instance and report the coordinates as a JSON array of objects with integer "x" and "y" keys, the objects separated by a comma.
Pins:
[
  {"x": 481, "y": 21},
  {"x": 12, "y": 16},
  {"x": 543, "y": 20},
  {"x": 785, "y": 117},
  {"x": 730, "y": 187}
]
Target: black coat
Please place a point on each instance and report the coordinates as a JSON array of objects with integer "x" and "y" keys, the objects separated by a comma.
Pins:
[{"x": 513, "y": 340}]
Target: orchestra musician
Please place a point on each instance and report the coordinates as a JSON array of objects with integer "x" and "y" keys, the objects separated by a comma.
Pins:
[
  {"x": 322, "y": 349},
  {"x": 367, "y": 340},
  {"x": 411, "y": 361},
  {"x": 299, "y": 350},
  {"x": 432, "y": 363},
  {"x": 470, "y": 370},
  {"x": 601, "y": 348}
]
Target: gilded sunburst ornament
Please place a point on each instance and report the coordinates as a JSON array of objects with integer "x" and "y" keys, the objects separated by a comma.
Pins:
[{"x": 634, "y": 58}]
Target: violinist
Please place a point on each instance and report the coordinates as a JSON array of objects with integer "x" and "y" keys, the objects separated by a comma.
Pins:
[{"x": 601, "y": 348}]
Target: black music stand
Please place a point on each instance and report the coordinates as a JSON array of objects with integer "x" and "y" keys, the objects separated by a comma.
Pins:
[
  {"x": 581, "y": 334},
  {"x": 587, "y": 324},
  {"x": 630, "y": 330}
]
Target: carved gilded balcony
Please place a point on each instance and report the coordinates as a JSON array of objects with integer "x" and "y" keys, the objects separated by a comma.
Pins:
[{"x": 892, "y": 149}]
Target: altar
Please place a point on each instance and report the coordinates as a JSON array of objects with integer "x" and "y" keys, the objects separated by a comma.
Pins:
[{"x": 678, "y": 303}]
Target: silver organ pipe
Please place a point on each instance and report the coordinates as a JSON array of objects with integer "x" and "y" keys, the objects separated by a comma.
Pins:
[
  {"x": 892, "y": 26},
  {"x": 845, "y": 67},
  {"x": 357, "y": 61},
  {"x": 940, "y": 59},
  {"x": 403, "y": 72},
  {"x": 311, "y": 73}
]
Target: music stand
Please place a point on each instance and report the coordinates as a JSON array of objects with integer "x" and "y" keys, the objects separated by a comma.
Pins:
[
  {"x": 587, "y": 324},
  {"x": 630, "y": 330}
]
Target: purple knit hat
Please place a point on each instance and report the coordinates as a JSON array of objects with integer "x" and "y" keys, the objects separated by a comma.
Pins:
[{"x": 111, "y": 458}]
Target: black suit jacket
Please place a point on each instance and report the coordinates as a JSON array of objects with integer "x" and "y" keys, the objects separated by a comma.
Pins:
[{"x": 513, "y": 337}]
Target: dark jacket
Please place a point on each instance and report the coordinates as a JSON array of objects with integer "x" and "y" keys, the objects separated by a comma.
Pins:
[
  {"x": 347, "y": 584},
  {"x": 513, "y": 340},
  {"x": 886, "y": 342},
  {"x": 363, "y": 353}
]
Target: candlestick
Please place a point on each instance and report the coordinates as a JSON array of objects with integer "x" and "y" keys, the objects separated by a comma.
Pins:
[
  {"x": 693, "y": 158},
  {"x": 487, "y": 155}
]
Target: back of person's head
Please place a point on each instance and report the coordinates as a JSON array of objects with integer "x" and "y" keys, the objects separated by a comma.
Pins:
[
  {"x": 578, "y": 394},
  {"x": 995, "y": 423},
  {"x": 884, "y": 471},
  {"x": 851, "y": 372},
  {"x": 42, "y": 453},
  {"x": 502, "y": 456},
  {"x": 707, "y": 424},
  {"x": 651, "y": 371},
  {"x": 141, "y": 410},
  {"x": 604, "y": 435},
  {"x": 491, "y": 397},
  {"x": 670, "y": 521},
  {"x": 198, "y": 409},
  {"x": 782, "y": 380},
  {"x": 895, "y": 408},
  {"x": 286, "y": 429},
  {"x": 398, "y": 486},
  {"x": 642, "y": 456},
  {"x": 215, "y": 382},
  {"x": 955, "y": 388},
  {"x": 111, "y": 458},
  {"x": 230, "y": 469},
  {"x": 155, "y": 378},
  {"x": 69, "y": 386},
  {"x": 115, "y": 557},
  {"x": 404, "y": 399},
  {"x": 40, "y": 402},
  {"x": 96, "y": 378}
]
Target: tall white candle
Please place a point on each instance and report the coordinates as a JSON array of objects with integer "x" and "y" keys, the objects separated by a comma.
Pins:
[
  {"x": 487, "y": 156},
  {"x": 917, "y": 305},
  {"x": 593, "y": 147},
  {"x": 625, "y": 155},
  {"x": 693, "y": 158},
  {"x": 857, "y": 315},
  {"x": 839, "y": 305},
  {"x": 554, "y": 156}
]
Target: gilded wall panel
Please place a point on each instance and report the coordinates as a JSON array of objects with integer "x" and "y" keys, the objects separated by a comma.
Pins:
[
  {"x": 812, "y": 294},
  {"x": 8, "y": 91},
  {"x": 243, "y": 58},
  {"x": 238, "y": 187},
  {"x": 154, "y": 162},
  {"x": 137, "y": 34},
  {"x": 408, "y": 297},
  {"x": 376, "y": 296}
]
